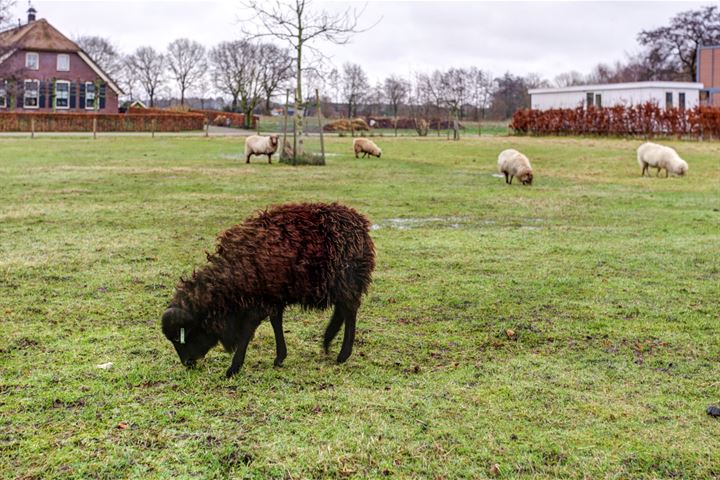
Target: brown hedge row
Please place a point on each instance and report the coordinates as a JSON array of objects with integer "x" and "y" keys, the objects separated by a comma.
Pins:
[
  {"x": 83, "y": 122},
  {"x": 226, "y": 119},
  {"x": 637, "y": 120}
]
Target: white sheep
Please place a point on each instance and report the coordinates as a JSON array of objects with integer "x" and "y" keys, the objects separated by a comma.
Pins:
[
  {"x": 257, "y": 145},
  {"x": 659, "y": 156},
  {"x": 512, "y": 163},
  {"x": 366, "y": 147}
]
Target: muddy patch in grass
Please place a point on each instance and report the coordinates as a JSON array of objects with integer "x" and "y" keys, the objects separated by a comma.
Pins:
[{"x": 412, "y": 223}]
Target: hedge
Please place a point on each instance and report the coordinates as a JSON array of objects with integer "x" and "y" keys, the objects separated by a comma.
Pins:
[
  {"x": 83, "y": 122},
  {"x": 226, "y": 119},
  {"x": 645, "y": 120}
]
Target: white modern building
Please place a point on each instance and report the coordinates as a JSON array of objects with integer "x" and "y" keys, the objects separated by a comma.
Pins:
[{"x": 665, "y": 94}]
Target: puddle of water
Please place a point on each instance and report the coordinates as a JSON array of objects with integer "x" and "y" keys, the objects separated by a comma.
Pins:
[{"x": 410, "y": 223}]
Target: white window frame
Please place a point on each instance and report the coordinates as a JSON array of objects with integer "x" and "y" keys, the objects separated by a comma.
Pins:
[
  {"x": 66, "y": 56},
  {"x": 25, "y": 90},
  {"x": 3, "y": 94},
  {"x": 92, "y": 105},
  {"x": 28, "y": 56},
  {"x": 58, "y": 82}
]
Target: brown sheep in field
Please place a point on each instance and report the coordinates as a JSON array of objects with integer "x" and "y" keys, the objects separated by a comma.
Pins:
[{"x": 311, "y": 254}]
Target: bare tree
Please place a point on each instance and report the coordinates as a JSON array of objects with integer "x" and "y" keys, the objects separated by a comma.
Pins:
[
  {"x": 396, "y": 91},
  {"x": 224, "y": 59},
  {"x": 569, "y": 79},
  {"x": 355, "y": 86},
  {"x": 147, "y": 65},
  {"x": 103, "y": 53},
  {"x": 480, "y": 85},
  {"x": 454, "y": 92},
  {"x": 676, "y": 45},
  {"x": 5, "y": 12},
  {"x": 276, "y": 69},
  {"x": 187, "y": 64},
  {"x": 300, "y": 27},
  {"x": 237, "y": 71}
]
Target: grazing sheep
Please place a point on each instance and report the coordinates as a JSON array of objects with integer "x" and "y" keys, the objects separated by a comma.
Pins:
[
  {"x": 512, "y": 163},
  {"x": 315, "y": 255},
  {"x": 659, "y": 156},
  {"x": 366, "y": 147},
  {"x": 257, "y": 145}
]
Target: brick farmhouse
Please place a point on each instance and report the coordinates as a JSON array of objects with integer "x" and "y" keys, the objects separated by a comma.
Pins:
[{"x": 41, "y": 70}]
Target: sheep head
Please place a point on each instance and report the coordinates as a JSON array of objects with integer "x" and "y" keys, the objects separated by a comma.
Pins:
[
  {"x": 274, "y": 141},
  {"x": 190, "y": 340},
  {"x": 526, "y": 177}
]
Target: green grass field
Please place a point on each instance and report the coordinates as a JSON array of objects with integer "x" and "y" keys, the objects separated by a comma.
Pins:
[{"x": 609, "y": 281}]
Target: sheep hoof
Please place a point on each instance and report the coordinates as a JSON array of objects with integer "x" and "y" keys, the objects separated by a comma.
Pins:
[
  {"x": 231, "y": 371},
  {"x": 342, "y": 357},
  {"x": 278, "y": 362}
]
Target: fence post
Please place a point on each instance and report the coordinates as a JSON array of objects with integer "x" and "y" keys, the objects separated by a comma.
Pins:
[
  {"x": 285, "y": 114},
  {"x": 94, "y": 128},
  {"x": 32, "y": 127},
  {"x": 207, "y": 125},
  {"x": 153, "y": 127},
  {"x": 322, "y": 141}
]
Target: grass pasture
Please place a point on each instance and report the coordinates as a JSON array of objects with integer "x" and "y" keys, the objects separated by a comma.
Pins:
[{"x": 609, "y": 282}]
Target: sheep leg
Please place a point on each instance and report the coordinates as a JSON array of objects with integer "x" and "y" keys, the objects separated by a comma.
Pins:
[
  {"x": 280, "y": 348},
  {"x": 506, "y": 177},
  {"x": 247, "y": 158},
  {"x": 511, "y": 178},
  {"x": 269, "y": 157},
  {"x": 333, "y": 327},
  {"x": 247, "y": 330},
  {"x": 348, "y": 334},
  {"x": 645, "y": 169}
]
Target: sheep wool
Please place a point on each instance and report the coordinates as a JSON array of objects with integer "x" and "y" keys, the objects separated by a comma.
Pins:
[
  {"x": 315, "y": 255},
  {"x": 660, "y": 157},
  {"x": 366, "y": 147},
  {"x": 512, "y": 163},
  {"x": 257, "y": 145}
]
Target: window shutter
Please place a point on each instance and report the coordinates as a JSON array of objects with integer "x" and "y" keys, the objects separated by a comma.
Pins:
[
  {"x": 73, "y": 94},
  {"x": 41, "y": 93},
  {"x": 82, "y": 96},
  {"x": 102, "y": 96}
]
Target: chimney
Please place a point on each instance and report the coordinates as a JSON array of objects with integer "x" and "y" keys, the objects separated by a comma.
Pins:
[{"x": 31, "y": 14}]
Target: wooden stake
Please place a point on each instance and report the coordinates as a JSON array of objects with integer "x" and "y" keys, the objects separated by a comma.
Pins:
[
  {"x": 94, "y": 128},
  {"x": 322, "y": 141},
  {"x": 153, "y": 128},
  {"x": 285, "y": 113},
  {"x": 32, "y": 127}
]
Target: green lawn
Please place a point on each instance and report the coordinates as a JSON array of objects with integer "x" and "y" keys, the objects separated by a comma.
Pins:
[{"x": 609, "y": 281}]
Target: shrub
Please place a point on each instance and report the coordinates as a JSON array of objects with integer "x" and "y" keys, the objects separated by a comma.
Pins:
[
  {"x": 83, "y": 122},
  {"x": 638, "y": 120}
]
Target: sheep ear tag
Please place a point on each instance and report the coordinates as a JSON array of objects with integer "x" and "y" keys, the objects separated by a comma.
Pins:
[{"x": 182, "y": 336}]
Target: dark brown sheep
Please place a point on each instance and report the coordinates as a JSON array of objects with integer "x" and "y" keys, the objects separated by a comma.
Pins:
[{"x": 313, "y": 254}]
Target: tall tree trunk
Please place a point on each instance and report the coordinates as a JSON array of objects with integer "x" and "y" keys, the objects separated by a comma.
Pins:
[{"x": 298, "y": 98}]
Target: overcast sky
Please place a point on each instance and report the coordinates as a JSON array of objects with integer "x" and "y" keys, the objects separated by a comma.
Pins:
[{"x": 546, "y": 38}]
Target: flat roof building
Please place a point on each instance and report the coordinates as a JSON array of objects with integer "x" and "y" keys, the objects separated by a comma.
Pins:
[
  {"x": 708, "y": 72},
  {"x": 665, "y": 94}
]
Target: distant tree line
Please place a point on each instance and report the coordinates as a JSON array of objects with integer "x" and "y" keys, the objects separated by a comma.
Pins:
[{"x": 251, "y": 74}]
